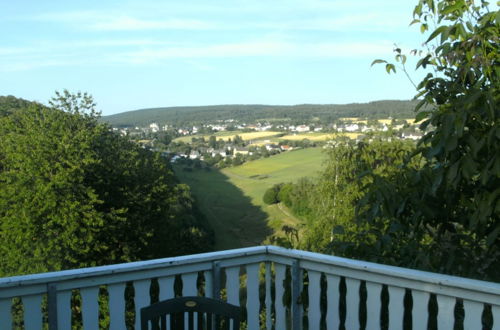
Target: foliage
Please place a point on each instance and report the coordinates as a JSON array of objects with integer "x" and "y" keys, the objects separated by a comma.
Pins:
[
  {"x": 330, "y": 225},
  {"x": 9, "y": 104},
  {"x": 447, "y": 213},
  {"x": 73, "y": 194},
  {"x": 271, "y": 195}
]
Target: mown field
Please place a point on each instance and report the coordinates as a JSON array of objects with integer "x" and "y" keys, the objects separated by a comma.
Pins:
[
  {"x": 247, "y": 136},
  {"x": 232, "y": 198},
  {"x": 317, "y": 136}
]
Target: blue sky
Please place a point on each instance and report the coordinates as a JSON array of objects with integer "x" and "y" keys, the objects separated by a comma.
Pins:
[{"x": 138, "y": 54}]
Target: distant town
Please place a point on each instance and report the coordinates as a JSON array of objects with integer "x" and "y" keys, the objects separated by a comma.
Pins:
[{"x": 228, "y": 142}]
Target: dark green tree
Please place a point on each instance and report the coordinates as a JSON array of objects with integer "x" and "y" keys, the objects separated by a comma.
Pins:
[
  {"x": 74, "y": 194},
  {"x": 448, "y": 211}
]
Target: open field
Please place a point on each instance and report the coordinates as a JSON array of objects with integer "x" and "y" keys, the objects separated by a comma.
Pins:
[
  {"x": 318, "y": 136},
  {"x": 247, "y": 136},
  {"x": 232, "y": 198}
]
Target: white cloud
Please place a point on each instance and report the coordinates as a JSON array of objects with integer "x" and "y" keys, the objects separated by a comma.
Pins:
[
  {"x": 127, "y": 23},
  {"x": 52, "y": 57},
  {"x": 262, "y": 49}
]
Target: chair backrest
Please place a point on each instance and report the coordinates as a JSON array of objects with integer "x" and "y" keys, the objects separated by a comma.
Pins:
[{"x": 210, "y": 314}]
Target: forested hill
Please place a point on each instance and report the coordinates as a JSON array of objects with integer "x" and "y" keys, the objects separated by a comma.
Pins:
[
  {"x": 251, "y": 113},
  {"x": 9, "y": 104}
]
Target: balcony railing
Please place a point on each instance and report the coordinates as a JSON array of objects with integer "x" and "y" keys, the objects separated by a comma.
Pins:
[{"x": 278, "y": 289}]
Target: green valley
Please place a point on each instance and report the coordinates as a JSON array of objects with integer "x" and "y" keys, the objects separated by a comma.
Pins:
[{"x": 231, "y": 198}]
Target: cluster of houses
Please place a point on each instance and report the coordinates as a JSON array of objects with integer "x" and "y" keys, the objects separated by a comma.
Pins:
[
  {"x": 228, "y": 150},
  {"x": 405, "y": 129}
]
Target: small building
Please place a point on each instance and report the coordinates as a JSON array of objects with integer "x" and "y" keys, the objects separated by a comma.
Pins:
[
  {"x": 194, "y": 154},
  {"x": 241, "y": 150},
  {"x": 302, "y": 128}
]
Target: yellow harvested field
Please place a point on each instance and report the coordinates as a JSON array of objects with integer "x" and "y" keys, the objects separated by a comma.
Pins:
[
  {"x": 385, "y": 121},
  {"x": 225, "y": 136},
  {"x": 312, "y": 137},
  {"x": 353, "y": 119},
  {"x": 255, "y": 135},
  {"x": 317, "y": 136}
]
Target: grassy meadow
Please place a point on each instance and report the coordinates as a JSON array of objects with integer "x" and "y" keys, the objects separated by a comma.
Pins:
[{"x": 232, "y": 198}]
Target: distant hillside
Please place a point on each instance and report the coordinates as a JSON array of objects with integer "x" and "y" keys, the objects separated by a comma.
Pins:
[
  {"x": 250, "y": 113},
  {"x": 9, "y": 104}
]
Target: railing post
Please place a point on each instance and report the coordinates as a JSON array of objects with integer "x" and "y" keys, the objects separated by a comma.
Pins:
[
  {"x": 216, "y": 280},
  {"x": 296, "y": 303},
  {"x": 52, "y": 305}
]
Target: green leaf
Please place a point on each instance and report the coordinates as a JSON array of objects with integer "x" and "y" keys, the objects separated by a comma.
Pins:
[
  {"x": 415, "y": 21},
  {"x": 377, "y": 62},
  {"x": 492, "y": 237},
  {"x": 449, "y": 9},
  {"x": 452, "y": 173},
  {"x": 390, "y": 67},
  {"x": 422, "y": 114},
  {"x": 436, "y": 32}
]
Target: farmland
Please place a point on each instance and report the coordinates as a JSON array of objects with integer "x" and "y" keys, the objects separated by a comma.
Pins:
[
  {"x": 317, "y": 136},
  {"x": 226, "y": 135},
  {"x": 232, "y": 198}
]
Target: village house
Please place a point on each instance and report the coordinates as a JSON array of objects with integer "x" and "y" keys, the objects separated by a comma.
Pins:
[
  {"x": 241, "y": 150},
  {"x": 302, "y": 128}
]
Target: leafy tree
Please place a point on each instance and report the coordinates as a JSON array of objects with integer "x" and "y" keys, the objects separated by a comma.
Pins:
[
  {"x": 331, "y": 225},
  {"x": 271, "y": 194},
  {"x": 74, "y": 194},
  {"x": 448, "y": 211}
]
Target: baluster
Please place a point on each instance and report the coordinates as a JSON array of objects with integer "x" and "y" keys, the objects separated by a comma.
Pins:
[
  {"x": 64, "y": 309},
  {"x": 32, "y": 312},
  {"x": 495, "y": 310},
  {"x": 189, "y": 287},
  {"x": 280, "y": 291},
  {"x": 373, "y": 305},
  {"x": 314, "y": 312},
  {"x": 209, "y": 288},
  {"x": 6, "y": 311},
  {"x": 396, "y": 307},
  {"x": 420, "y": 311},
  {"x": 90, "y": 307},
  {"x": 253, "y": 304},
  {"x": 473, "y": 311},
  {"x": 166, "y": 285},
  {"x": 233, "y": 285},
  {"x": 352, "y": 303},
  {"x": 268, "y": 300},
  {"x": 297, "y": 286},
  {"x": 116, "y": 306},
  {"x": 142, "y": 298},
  {"x": 446, "y": 311},
  {"x": 333, "y": 298}
]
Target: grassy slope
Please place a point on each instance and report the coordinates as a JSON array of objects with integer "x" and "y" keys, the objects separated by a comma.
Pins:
[{"x": 232, "y": 198}]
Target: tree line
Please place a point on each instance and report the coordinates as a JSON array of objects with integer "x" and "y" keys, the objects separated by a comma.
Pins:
[{"x": 296, "y": 115}]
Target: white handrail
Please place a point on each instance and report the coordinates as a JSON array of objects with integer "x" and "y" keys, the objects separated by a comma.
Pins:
[{"x": 475, "y": 294}]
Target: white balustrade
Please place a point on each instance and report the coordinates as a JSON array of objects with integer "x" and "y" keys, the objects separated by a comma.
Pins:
[
  {"x": 253, "y": 303},
  {"x": 333, "y": 301},
  {"x": 117, "y": 306},
  {"x": 373, "y": 305},
  {"x": 26, "y": 298}
]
